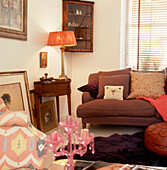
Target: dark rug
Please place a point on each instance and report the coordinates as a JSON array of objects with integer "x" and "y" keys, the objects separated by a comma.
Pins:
[{"x": 125, "y": 149}]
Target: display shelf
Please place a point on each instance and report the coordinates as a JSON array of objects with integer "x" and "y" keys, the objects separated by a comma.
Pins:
[
  {"x": 83, "y": 39},
  {"x": 78, "y": 17}
]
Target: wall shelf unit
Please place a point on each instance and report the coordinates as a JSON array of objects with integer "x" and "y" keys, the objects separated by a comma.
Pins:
[{"x": 78, "y": 17}]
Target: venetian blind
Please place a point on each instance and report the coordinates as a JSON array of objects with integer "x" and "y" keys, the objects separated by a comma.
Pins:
[{"x": 146, "y": 34}]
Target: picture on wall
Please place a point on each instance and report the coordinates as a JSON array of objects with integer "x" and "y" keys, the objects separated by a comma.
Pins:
[
  {"x": 13, "y": 19},
  {"x": 43, "y": 59},
  {"x": 14, "y": 91},
  {"x": 48, "y": 118}
]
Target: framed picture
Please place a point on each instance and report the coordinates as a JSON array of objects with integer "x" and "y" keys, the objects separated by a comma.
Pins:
[
  {"x": 48, "y": 118},
  {"x": 13, "y": 19},
  {"x": 43, "y": 59},
  {"x": 14, "y": 91},
  {"x": 32, "y": 98}
]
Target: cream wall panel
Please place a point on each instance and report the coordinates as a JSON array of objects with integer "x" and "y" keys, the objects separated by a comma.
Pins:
[
  {"x": 43, "y": 16},
  {"x": 106, "y": 55}
]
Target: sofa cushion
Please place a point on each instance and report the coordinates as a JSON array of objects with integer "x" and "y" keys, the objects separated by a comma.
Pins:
[
  {"x": 116, "y": 80},
  {"x": 110, "y": 107},
  {"x": 147, "y": 85},
  {"x": 91, "y": 87},
  {"x": 113, "y": 92},
  {"x": 93, "y": 77},
  {"x": 115, "y": 72},
  {"x": 160, "y": 71},
  {"x": 166, "y": 85}
]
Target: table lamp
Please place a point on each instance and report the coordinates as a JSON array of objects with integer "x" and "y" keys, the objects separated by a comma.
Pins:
[{"x": 63, "y": 39}]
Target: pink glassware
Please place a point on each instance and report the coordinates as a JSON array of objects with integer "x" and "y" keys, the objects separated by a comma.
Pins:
[{"x": 76, "y": 143}]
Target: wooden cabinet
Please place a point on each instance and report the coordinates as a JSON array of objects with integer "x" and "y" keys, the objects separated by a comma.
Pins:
[
  {"x": 51, "y": 89},
  {"x": 78, "y": 17}
]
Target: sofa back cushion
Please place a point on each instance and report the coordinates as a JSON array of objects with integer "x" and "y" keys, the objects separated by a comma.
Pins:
[
  {"x": 147, "y": 84},
  {"x": 160, "y": 71},
  {"x": 115, "y": 80},
  {"x": 95, "y": 76},
  {"x": 115, "y": 72},
  {"x": 166, "y": 84}
]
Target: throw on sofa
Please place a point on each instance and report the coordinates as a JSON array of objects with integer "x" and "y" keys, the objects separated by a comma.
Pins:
[{"x": 129, "y": 111}]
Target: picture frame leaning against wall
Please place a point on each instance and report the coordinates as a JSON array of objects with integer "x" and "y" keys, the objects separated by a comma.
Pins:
[{"x": 14, "y": 90}]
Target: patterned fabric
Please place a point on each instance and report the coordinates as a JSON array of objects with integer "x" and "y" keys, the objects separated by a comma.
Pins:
[
  {"x": 3, "y": 107},
  {"x": 18, "y": 118},
  {"x": 21, "y": 146},
  {"x": 147, "y": 85}
]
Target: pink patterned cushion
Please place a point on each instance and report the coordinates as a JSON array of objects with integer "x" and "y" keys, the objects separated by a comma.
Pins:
[
  {"x": 3, "y": 107},
  {"x": 147, "y": 85},
  {"x": 12, "y": 118},
  {"x": 21, "y": 147}
]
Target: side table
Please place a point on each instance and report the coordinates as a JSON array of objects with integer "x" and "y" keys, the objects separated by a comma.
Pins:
[{"x": 51, "y": 89}]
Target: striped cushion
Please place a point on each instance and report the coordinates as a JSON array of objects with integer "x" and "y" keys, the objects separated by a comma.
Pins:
[
  {"x": 3, "y": 107},
  {"x": 13, "y": 118}
]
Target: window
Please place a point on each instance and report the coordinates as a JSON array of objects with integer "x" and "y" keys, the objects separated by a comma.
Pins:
[{"x": 146, "y": 34}]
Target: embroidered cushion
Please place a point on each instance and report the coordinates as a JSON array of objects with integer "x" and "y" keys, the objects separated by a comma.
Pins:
[
  {"x": 113, "y": 92},
  {"x": 117, "y": 80},
  {"x": 147, "y": 85}
]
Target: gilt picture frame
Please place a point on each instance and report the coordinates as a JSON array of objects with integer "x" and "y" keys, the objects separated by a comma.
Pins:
[
  {"x": 14, "y": 90},
  {"x": 43, "y": 59},
  {"x": 13, "y": 19},
  {"x": 48, "y": 119}
]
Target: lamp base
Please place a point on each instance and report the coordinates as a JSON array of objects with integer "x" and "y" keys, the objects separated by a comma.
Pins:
[{"x": 63, "y": 77}]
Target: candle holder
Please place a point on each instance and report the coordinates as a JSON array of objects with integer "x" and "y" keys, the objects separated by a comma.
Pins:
[{"x": 76, "y": 143}]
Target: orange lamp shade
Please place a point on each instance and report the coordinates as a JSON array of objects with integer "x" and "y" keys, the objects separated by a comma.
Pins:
[{"x": 62, "y": 38}]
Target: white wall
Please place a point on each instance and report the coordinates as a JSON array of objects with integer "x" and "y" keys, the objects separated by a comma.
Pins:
[
  {"x": 24, "y": 55},
  {"x": 45, "y": 16},
  {"x": 106, "y": 55}
]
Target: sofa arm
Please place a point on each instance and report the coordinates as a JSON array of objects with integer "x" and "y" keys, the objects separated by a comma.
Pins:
[{"x": 86, "y": 97}]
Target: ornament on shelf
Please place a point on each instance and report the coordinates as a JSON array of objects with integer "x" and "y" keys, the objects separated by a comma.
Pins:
[
  {"x": 77, "y": 12},
  {"x": 69, "y": 24}
]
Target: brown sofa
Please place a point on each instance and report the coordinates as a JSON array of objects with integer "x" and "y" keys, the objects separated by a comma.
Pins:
[{"x": 116, "y": 112}]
